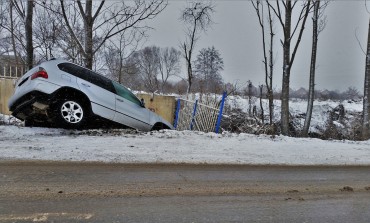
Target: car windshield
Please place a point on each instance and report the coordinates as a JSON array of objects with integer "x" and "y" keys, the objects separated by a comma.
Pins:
[{"x": 125, "y": 93}]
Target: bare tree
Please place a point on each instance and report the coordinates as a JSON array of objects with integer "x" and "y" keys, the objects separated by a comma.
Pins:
[
  {"x": 284, "y": 11},
  {"x": 4, "y": 44},
  {"x": 197, "y": 18},
  {"x": 208, "y": 67},
  {"x": 352, "y": 94},
  {"x": 104, "y": 20},
  {"x": 169, "y": 64},
  {"x": 267, "y": 61},
  {"x": 117, "y": 53},
  {"x": 19, "y": 27},
  {"x": 317, "y": 27},
  {"x": 29, "y": 34},
  {"x": 69, "y": 44},
  {"x": 47, "y": 33},
  {"x": 261, "y": 106},
  {"x": 249, "y": 92},
  {"x": 13, "y": 22},
  {"x": 366, "y": 104},
  {"x": 147, "y": 61},
  {"x": 25, "y": 12}
]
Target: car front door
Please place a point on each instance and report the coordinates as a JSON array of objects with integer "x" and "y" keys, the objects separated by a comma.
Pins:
[{"x": 129, "y": 110}]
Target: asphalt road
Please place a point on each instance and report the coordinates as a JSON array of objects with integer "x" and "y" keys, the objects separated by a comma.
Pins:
[{"x": 95, "y": 192}]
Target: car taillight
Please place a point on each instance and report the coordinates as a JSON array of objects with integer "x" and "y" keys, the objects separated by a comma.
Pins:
[{"x": 40, "y": 73}]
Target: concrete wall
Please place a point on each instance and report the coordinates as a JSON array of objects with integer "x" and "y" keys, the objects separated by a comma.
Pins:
[
  {"x": 6, "y": 90},
  {"x": 162, "y": 105}
]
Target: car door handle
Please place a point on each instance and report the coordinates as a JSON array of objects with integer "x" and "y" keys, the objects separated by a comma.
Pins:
[
  {"x": 86, "y": 85},
  {"x": 120, "y": 100}
]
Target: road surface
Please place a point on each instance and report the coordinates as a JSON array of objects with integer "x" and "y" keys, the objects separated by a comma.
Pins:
[{"x": 96, "y": 192}]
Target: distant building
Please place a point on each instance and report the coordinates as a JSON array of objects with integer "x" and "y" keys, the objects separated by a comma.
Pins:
[{"x": 9, "y": 68}]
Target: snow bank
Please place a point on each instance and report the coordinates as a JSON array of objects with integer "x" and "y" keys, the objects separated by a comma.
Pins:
[
  {"x": 298, "y": 108},
  {"x": 122, "y": 146}
]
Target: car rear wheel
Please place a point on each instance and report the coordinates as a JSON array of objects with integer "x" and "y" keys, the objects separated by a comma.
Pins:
[{"x": 71, "y": 113}]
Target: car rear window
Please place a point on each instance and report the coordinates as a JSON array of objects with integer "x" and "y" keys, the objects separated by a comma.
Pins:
[{"x": 87, "y": 75}]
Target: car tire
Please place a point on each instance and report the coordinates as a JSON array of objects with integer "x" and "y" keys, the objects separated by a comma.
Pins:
[
  {"x": 70, "y": 113},
  {"x": 159, "y": 126}
]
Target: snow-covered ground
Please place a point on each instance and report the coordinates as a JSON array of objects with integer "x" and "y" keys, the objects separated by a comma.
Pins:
[
  {"x": 122, "y": 146},
  {"x": 128, "y": 146},
  {"x": 298, "y": 108}
]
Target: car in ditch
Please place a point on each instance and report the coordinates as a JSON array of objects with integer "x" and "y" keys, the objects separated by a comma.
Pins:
[{"x": 63, "y": 94}]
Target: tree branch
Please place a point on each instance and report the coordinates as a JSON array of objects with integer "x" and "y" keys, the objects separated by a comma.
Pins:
[{"x": 71, "y": 30}]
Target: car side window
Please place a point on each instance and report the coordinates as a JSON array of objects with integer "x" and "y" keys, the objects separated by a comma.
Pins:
[
  {"x": 87, "y": 75},
  {"x": 125, "y": 93},
  {"x": 99, "y": 80},
  {"x": 73, "y": 69}
]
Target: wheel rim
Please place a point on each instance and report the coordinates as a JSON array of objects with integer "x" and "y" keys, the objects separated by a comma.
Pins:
[{"x": 72, "y": 112}]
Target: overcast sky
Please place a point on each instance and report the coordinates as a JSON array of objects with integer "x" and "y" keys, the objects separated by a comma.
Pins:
[{"x": 236, "y": 34}]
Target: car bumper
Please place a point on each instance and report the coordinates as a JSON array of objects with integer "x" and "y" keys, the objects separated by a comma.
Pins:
[
  {"x": 29, "y": 88},
  {"x": 28, "y": 98},
  {"x": 25, "y": 105}
]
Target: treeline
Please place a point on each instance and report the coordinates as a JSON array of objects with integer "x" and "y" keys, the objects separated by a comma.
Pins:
[
  {"x": 250, "y": 90},
  {"x": 156, "y": 69}
]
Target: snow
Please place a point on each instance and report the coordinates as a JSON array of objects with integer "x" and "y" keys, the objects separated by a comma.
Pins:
[
  {"x": 122, "y": 146},
  {"x": 320, "y": 113},
  {"x": 129, "y": 146}
]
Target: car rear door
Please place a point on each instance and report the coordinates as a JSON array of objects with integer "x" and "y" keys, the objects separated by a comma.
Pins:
[{"x": 98, "y": 88}]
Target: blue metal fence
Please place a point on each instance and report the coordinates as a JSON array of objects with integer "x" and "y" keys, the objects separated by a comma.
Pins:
[{"x": 203, "y": 114}]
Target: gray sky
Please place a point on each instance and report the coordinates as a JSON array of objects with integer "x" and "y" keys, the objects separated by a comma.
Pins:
[{"x": 237, "y": 35}]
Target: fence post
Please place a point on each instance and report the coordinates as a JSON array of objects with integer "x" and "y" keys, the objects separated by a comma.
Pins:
[
  {"x": 220, "y": 113},
  {"x": 177, "y": 113},
  {"x": 193, "y": 116}
]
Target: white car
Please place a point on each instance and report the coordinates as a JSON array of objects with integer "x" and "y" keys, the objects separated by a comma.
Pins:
[{"x": 60, "y": 93}]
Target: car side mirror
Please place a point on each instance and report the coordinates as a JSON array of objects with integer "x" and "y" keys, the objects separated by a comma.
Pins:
[{"x": 142, "y": 103}]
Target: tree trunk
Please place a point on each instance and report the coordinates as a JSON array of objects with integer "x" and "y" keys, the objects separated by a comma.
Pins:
[
  {"x": 28, "y": 29},
  {"x": 286, "y": 71},
  {"x": 270, "y": 93},
  {"x": 366, "y": 104},
  {"x": 88, "y": 22},
  {"x": 311, "y": 91},
  {"x": 268, "y": 63},
  {"x": 190, "y": 75},
  {"x": 262, "y": 111},
  {"x": 12, "y": 32},
  {"x": 250, "y": 99},
  {"x": 120, "y": 69},
  {"x": 289, "y": 59}
]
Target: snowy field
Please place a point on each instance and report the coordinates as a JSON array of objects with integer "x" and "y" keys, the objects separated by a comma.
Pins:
[
  {"x": 298, "y": 108},
  {"x": 128, "y": 146}
]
